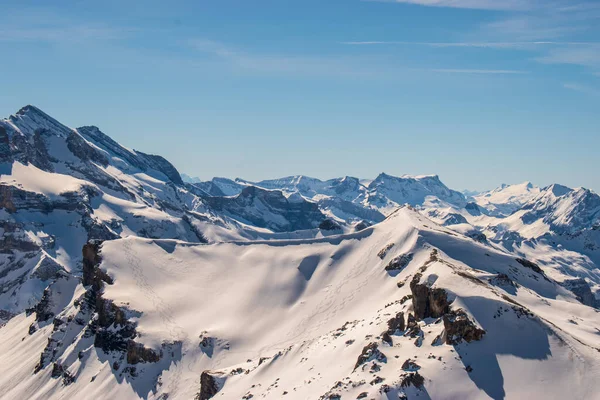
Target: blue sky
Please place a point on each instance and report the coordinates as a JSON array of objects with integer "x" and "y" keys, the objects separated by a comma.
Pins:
[{"x": 480, "y": 92}]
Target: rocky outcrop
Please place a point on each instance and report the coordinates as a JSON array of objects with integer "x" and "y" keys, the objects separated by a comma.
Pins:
[
  {"x": 581, "y": 289},
  {"x": 400, "y": 262},
  {"x": 502, "y": 280},
  {"x": 329, "y": 225},
  {"x": 383, "y": 252},
  {"x": 112, "y": 329},
  {"x": 91, "y": 259},
  {"x": 43, "y": 309},
  {"x": 58, "y": 371},
  {"x": 531, "y": 265},
  {"x": 396, "y": 324},
  {"x": 361, "y": 225},
  {"x": 428, "y": 302},
  {"x": 477, "y": 236},
  {"x": 137, "y": 353},
  {"x": 410, "y": 365},
  {"x": 370, "y": 352},
  {"x": 412, "y": 379},
  {"x": 458, "y": 328},
  {"x": 209, "y": 386}
]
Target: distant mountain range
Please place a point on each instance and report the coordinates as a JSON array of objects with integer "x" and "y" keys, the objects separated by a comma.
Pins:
[{"x": 121, "y": 277}]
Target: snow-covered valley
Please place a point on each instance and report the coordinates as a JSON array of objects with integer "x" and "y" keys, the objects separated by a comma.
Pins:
[{"x": 118, "y": 279}]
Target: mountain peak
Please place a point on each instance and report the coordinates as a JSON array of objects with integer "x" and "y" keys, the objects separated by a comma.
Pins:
[
  {"x": 559, "y": 190},
  {"x": 31, "y": 109},
  {"x": 30, "y": 118}
]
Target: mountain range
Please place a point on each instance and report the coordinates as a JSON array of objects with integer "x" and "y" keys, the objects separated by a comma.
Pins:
[{"x": 121, "y": 277}]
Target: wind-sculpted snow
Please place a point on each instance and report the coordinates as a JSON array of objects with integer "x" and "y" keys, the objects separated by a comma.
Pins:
[{"x": 260, "y": 319}]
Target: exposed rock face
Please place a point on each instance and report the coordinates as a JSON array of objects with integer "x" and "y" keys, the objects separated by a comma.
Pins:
[
  {"x": 383, "y": 252},
  {"x": 477, "y": 236},
  {"x": 412, "y": 327},
  {"x": 5, "y": 153},
  {"x": 362, "y": 225},
  {"x": 209, "y": 386},
  {"x": 428, "y": 302},
  {"x": 370, "y": 352},
  {"x": 413, "y": 379},
  {"x": 58, "y": 371},
  {"x": 582, "y": 290},
  {"x": 137, "y": 159},
  {"x": 399, "y": 263},
  {"x": 473, "y": 209},
  {"x": 80, "y": 148},
  {"x": 329, "y": 225},
  {"x": 43, "y": 311},
  {"x": 112, "y": 330},
  {"x": 396, "y": 324},
  {"x": 410, "y": 365},
  {"x": 459, "y": 327},
  {"x": 91, "y": 259},
  {"x": 137, "y": 353},
  {"x": 502, "y": 280},
  {"x": 530, "y": 265},
  {"x": 269, "y": 209},
  {"x": 160, "y": 164}
]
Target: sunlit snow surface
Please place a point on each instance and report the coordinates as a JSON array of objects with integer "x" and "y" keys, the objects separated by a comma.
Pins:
[{"x": 285, "y": 300}]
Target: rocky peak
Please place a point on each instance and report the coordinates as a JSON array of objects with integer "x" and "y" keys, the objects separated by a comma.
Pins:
[{"x": 29, "y": 119}]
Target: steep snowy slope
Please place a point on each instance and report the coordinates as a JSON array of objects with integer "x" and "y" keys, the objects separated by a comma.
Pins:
[
  {"x": 403, "y": 308},
  {"x": 506, "y": 199},
  {"x": 554, "y": 226},
  {"x": 60, "y": 187}
]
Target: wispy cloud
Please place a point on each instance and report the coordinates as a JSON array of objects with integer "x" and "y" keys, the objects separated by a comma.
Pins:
[
  {"x": 35, "y": 25},
  {"x": 62, "y": 34},
  {"x": 587, "y": 56},
  {"x": 551, "y": 30},
  {"x": 331, "y": 65},
  {"x": 492, "y": 45},
  {"x": 582, "y": 89},
  {"x": 472, "y": 4},
  {"x": 478, "y": 71}
]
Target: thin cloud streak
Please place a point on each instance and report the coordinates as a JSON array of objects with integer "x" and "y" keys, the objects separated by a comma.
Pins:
[
  {"x": 499, "y": 5},
  {"x": 62, "y": 34},
  {"x": 494, "y": 45},
  {"x": 478, "y": 71},
  {"x": 582, "y": 89},
  {"x": 284, "y": 63},
  {"x": 320, "y": 65}
]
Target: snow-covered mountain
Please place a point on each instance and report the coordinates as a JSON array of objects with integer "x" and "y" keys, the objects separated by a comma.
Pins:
[
  {"x": 404, "y": 308},
  {"x": 121, "y": 277},
  {"x": 506, "y": 199},
  {"x": 347, "y": 199},
  {"x": 61, "y": 187}
]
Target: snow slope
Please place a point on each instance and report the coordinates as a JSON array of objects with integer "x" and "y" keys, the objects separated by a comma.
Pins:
[
  {"x": 290, "y": 319},
  {"x": 507, "y": 199}
]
